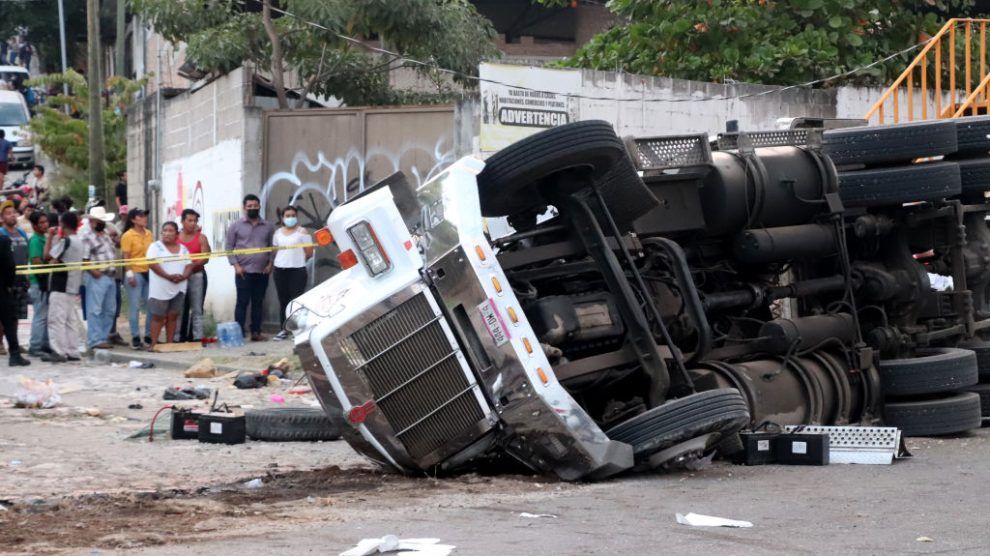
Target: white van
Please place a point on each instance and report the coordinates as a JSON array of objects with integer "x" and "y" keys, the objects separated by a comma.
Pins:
[
  {"x": 14, "y": 117},
  {"x": 14, "y": 74}
]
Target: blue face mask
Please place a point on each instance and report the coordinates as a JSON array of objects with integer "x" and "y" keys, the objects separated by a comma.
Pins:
[{"x": 290, "y": 221}]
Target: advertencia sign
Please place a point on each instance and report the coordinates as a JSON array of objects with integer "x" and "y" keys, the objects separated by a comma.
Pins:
[{"x": 524, "y": 101}]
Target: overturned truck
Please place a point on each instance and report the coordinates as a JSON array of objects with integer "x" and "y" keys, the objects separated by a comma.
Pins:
[{"x": 652, "y": 297}]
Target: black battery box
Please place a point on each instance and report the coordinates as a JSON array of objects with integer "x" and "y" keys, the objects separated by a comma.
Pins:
[
  {"x": 759, "y": 448},
  {"x": 185, "y": 424},
  {"x": 802, "y": 449},
  {"x": 222, "y": 428}
]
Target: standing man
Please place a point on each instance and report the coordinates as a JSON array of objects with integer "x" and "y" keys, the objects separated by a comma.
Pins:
[
  {"x": 6, "y": 147},
  {"x": 120, "y": 191},
  {"x": 101, "y": 292},
  {"x": 194, "y": 240},
  {"x": 38, "y": 288},
  {"x": 253, "y": 269},
  {"x": 19, "y": 246},
  {"x": 63, "y": 299},
  {"x": 8, "y": 309},
  {"x": 26, "y": 52}
]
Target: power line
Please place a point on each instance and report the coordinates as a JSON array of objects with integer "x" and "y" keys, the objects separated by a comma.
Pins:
[{"x": 479, "y": 79}]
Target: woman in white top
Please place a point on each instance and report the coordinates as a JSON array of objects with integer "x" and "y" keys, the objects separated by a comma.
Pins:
[
  {"x": 290, "y": 264},
  {"x": 168, "y": 281}
]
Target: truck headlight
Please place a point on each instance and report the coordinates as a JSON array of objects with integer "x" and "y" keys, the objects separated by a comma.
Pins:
[{"x": 371, "y": 250}]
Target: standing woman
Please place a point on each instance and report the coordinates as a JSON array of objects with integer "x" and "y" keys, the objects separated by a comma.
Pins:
[
  {"x": 290, "y": 263},
  {"x": 134, "y": 244},
  {"x": 168, "y": 284}
]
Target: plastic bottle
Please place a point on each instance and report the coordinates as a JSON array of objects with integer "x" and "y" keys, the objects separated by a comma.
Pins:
[
  {"x": 223, "y": 333},
  {"x": 102, "y": 356}
]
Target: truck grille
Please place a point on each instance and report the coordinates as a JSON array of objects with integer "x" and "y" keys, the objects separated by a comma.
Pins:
[{"x": 415, "y": 377}]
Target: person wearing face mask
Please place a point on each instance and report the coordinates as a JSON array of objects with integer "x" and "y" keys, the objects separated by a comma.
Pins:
[
  {"x": 101, "y": 290},
  {"x": 290, "y": 262},
  {"x": 252, "y": 269}
]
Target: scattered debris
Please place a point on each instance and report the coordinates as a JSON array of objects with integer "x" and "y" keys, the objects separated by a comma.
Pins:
[
  {"x": 140, "y": 364},
  {"x": 277, "y": 398},
  {"x": 537, "y": 516},
  {"x": 35, "y": 394},
  {"x": 204, "y": 368},
  {"x": 247, "y": 381},
  {"x": 299, "y": 390},
  {"x": 135, "y": 406},
  {"x": 391, "y": 543},
  {"x": 698, "y": 520},
  {"x": 187, "y": 392},
  {"x": 925, "y": 539},
  {"x": 253, "y": 484}
]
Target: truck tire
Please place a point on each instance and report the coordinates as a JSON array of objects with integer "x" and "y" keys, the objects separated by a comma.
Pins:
[
  {"x": 934, "y": 371},
  {"x": 289, "y": 424},
  {"x": 901, "y": 184},
  {"x": 724, "y": 411},
  {"x": 972, "y": 135},
  {"x": 974, "y": 177},
  {"x": 982, "y": 350},
  {"x": 507, "y": 185},
  {"x": 948, "y": 415},
  {"x": 982, "y": 390},
  {"x": 885, "y": 144}
]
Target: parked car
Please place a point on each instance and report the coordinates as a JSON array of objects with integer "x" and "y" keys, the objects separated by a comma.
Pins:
[
  {"x": 656, "y": 296},
  {"x": 14, "y": 117}
]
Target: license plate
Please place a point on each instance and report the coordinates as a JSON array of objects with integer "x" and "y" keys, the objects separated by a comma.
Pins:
[{"x": 493, "y": 321}]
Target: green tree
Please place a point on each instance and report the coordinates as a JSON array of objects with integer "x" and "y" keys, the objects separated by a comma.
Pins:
[
  {"x": 763, "y": 41},
  {"x": 223, "y": 34},
  {"x": 65, "y": 137}
]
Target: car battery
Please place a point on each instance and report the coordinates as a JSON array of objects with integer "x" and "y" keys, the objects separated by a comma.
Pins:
[
  {"x": 222, "y": 428},
  {"x": 759, "y": 448},
  {"x": 802, "y": 449},
  {"x": 185, "y": 424}
]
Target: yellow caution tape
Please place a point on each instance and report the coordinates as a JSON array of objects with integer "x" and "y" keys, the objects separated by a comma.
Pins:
[{"x": 48, "y": 268}]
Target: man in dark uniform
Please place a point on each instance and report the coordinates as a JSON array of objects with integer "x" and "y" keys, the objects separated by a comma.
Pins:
[{"x": 9, "y": 301}]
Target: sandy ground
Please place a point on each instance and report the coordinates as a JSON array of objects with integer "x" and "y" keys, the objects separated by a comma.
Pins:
[{"x": 71, "y": 482}]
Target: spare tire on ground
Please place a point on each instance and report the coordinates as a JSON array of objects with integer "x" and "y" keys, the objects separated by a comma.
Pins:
[
  {"x": 933, "y": 417},
  {"x": 885, "y": 144},
  {"x": 289, "y": 424},
  {"x": 982, "y": 390},
  {"x": 508, "y": 183},
  {"x": 934, "y": 371},
  {"x": 901, "y": 184}
]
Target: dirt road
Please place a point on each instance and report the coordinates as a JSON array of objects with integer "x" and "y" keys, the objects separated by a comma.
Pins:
[{"x": 70, "y": 482}]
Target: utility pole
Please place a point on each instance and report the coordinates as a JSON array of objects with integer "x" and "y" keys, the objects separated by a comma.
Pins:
[
  {"x": 65, "y": 65},
  {"x": 121, "y": 31},
  {"x": 95, "y": 82}
]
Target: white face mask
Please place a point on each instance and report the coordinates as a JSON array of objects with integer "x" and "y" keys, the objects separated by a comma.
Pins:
[{"x": 290, "y": 221}]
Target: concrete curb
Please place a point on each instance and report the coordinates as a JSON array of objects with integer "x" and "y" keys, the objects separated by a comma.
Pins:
[{"x": 165, "y": 363}]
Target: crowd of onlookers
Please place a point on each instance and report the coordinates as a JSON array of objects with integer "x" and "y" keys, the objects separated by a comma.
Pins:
[{"x": 76, "y": 308}]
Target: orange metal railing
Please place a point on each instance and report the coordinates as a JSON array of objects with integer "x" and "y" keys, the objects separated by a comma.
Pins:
[{"x": 950, "y": 52}]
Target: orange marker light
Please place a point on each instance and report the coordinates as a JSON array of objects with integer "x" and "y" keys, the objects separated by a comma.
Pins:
[
  {"x": 512, "y": 315},
  {"x": 497, "y": 284},
  {"x": 347, "y": 259},
  {"x": 528, "y": 346},
  {"x": 543, "y": 376},
  {"x": 480, "y": 252},
  {"x": 323, "y": 237}
]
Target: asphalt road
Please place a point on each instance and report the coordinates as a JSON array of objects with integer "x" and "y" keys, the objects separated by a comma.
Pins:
[{"x": 70, "y": 482}]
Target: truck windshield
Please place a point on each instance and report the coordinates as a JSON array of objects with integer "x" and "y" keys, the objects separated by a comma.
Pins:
[{"x": 12, "y": 115}]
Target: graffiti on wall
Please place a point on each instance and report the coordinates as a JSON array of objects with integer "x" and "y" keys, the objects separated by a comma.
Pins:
[{"x": 316, "y": 184}]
